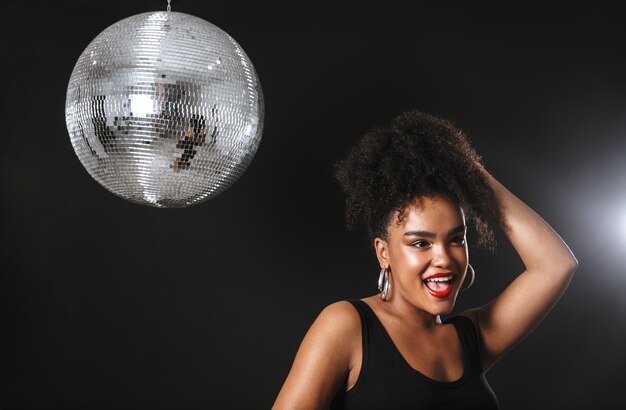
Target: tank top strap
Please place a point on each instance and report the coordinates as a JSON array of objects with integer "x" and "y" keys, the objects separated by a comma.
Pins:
[
  {"x": 362, "y": 308},
  {"x": 470, "y": 339},
  {"x": 375, "y": 338}
]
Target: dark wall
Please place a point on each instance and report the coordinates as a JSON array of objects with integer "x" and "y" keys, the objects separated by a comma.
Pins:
[{"x": 107, "y": 304}]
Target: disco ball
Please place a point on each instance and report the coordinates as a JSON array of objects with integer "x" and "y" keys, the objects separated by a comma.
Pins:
[{"x": 164, "y": 109}]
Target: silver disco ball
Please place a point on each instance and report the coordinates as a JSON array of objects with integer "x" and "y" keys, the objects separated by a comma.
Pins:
[{"x": 164, "y": 109}]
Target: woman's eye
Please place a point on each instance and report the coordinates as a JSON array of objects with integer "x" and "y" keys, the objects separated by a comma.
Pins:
[
  {"x": 459, "y": 240},
  {"x": 421, "y": 244}
]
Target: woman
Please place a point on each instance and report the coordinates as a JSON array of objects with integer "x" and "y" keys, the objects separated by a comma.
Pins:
[{"x": 414, "y": 184}]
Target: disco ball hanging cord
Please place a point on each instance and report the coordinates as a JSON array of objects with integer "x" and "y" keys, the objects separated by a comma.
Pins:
[{"x": 164, "y": 109}]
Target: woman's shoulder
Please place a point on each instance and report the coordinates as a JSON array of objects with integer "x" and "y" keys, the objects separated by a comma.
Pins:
[
  {"x": 332, "y": 337},
  {"x": 339, "y": 321},
  {"x": 324, "y": 359},
  {"x": 341, "y": 316}
]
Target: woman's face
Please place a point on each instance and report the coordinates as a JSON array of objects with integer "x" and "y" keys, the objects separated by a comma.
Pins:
[{"x": 426, "y": 254}]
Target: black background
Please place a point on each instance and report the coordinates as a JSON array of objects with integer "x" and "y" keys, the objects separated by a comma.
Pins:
[{"x": 108, "y": 304}]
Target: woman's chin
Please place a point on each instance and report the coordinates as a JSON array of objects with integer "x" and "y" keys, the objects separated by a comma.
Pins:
[{"x": 441, "y": 308}]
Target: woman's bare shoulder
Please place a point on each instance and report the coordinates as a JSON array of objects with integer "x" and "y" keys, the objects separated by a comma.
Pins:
[
  {"x": 339, "y": 317},
  {"x": 335, "y": 334},
  {"x": 323, "y": 360}
]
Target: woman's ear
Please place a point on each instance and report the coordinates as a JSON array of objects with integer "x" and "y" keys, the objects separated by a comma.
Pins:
[{"x": 382, "y": 253}]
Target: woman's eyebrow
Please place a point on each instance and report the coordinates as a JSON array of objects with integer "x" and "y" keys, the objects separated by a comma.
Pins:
[
  {"x": 425, "y": 234},
  {"x": 459, "y": 229}
]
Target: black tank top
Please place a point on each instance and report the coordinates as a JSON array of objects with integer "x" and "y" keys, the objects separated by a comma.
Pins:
[{"x": 387, "y": 381}]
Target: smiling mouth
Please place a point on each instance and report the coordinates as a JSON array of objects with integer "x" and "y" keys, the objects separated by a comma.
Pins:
[{"x": 439, "y": 286}]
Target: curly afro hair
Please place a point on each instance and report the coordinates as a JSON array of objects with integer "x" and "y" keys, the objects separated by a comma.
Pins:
[{"x": 417, "y": 155}]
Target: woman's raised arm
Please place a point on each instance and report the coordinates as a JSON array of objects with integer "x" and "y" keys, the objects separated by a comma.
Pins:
[{"x": 549, "y": 264}]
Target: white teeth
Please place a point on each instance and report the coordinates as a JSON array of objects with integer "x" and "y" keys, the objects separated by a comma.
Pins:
[{"x": 442, "y": 279}]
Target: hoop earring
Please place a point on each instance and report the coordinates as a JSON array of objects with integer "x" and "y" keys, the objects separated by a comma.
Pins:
[
  {"x": 471, "y": 269},
  {"x": 383, "y": 283}
]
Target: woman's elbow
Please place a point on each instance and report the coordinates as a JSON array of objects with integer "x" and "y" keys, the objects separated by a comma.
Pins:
[{"x": 567, "y": 266}]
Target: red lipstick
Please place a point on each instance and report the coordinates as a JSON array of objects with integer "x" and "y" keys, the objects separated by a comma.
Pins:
[
  {"x": 439, "y": 275},
  {"x": 439, "y": 289},
  {"x": 440, "y": 294}
]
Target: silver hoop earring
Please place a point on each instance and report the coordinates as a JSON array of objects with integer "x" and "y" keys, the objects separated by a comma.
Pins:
[
  {"x": 470, "y": 269},
  {"x": 383, "y": 283}
]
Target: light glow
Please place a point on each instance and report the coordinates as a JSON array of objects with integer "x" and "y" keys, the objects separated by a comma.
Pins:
[{"x": 141, "y": 105}]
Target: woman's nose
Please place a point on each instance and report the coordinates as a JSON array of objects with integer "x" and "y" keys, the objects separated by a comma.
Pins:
[{"x": 441, "y": 256}]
